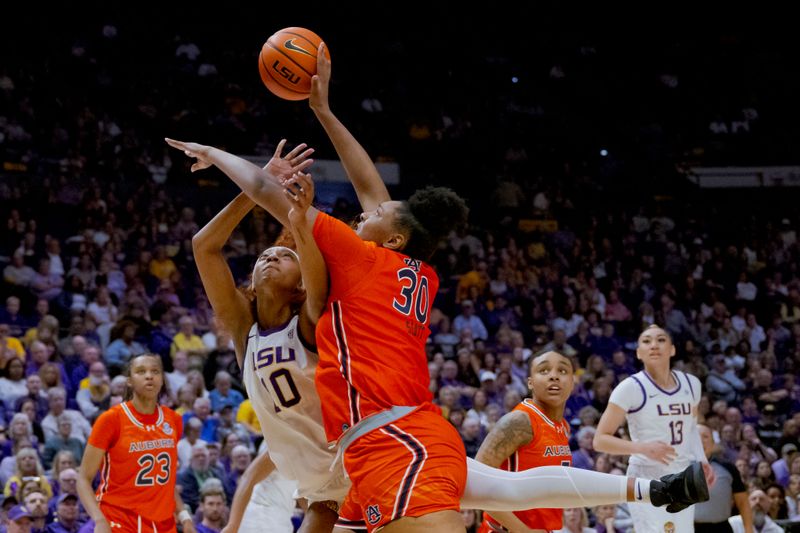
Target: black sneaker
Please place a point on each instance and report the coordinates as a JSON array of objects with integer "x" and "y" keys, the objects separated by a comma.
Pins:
[{"x": 679, "y": 491}]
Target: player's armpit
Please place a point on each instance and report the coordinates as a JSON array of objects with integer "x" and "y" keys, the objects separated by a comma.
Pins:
[{"x": 510, "y": 432}]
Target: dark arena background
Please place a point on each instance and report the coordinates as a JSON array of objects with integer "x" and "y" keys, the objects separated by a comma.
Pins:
[{"x": 617, "y": 176}]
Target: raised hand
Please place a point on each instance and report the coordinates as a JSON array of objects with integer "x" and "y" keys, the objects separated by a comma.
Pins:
[
  {"x": 193, "y": 150},
  {"x": 320, "y": 81},
  {"x": 658, "y": 451},
  {"x": 300, "y": 191},
  {"x": 283, "y": 168}
]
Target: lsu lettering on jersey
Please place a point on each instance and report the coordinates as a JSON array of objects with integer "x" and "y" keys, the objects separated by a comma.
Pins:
[
  {"x": 549, "y": 447},
  {"x": 371, "y": 336},
  {"x": 141, "y": 460},
  {"x": 279, "y": 377},
  {"x": 655, "y": 414}
]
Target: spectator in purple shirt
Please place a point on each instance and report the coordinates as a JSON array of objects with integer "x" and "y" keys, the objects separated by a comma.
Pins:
[{"x": 583, "y": 457}]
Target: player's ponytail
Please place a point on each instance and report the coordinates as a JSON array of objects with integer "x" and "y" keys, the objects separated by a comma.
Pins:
[{"x": 428, "y": 217}]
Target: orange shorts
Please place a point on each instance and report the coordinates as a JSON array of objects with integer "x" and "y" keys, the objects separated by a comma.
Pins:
[
  {"x": 124, "y": 520},
  {"x": 350, "y": 516},
  {"x": 487, "y": 527},
  {"x": 412, "y": 467}
]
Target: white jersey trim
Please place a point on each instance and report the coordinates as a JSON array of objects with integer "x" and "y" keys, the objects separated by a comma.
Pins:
[
  {"x": 136, "y": 422},
  {"x": 530, "y": 405}
]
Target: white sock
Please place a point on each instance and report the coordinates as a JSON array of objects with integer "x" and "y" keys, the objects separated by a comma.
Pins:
[
  {"x": 553, "y": 487},
  {"x": 641, "y": 490}
]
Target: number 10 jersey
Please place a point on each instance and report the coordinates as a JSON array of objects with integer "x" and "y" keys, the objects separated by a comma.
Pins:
[{"x": 279, "y": 377}]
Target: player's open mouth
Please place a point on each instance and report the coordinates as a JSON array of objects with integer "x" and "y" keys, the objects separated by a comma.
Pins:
[{"x": 553, "y": 388}]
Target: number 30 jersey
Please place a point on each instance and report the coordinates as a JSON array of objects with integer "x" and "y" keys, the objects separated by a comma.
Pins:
[
  {"x": 655, "y": 414},
  {"x": 371, "y": 336},
  {"x": 279, "y": 376},
  {"x": 140, "y": 461}
]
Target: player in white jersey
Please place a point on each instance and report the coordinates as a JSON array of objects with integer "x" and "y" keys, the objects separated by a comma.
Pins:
[
  {"x": 272, "y": 325},
  {"x": 660, "y": 406}
]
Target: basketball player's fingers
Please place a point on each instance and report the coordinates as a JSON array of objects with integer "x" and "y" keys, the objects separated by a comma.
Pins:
[
  {"x": 305, "y": 155},
  {"x": 291, "y": 196},
  {"x": 293, "y": 184},
  {"x": 304, "y": 196},
  {"x": 296, "y": 150},
  {"x": 303, "y": 165},
  {"x": 320, "y": 55},
  {"x": 279, "y": 149},
  {"x": 175, "y": 144},
  {"x": 306, "y": 183}
]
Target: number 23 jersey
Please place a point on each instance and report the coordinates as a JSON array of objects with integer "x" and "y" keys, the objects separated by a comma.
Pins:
[
  {"x": 655, "y": 414},
  {"x": 140, "y": 461}
]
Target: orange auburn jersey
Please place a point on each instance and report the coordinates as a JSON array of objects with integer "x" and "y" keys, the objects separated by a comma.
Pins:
[
  {"x": 549, "y": 447},
  {"x": 141, "y": 460},
  {"x": 371, "y": 336}
]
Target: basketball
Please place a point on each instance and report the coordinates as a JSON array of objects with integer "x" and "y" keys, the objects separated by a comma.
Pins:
[{"x": 287, "y": 62}]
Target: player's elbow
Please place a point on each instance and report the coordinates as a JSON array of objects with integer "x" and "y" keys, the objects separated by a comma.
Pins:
[
  {"x": 598, "y": 442},
  {"x": 199, "y": 242}
]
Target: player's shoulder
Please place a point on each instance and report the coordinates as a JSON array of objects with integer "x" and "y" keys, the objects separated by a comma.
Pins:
[
  {"x": 536, "y": 417},
  {"x": 692, "y": 379},
  {"x": 636, "y": 381},
  {"x": 110, "y": 414},
  {"x": 173, "y": 417},
  {"x": 695, "y": 386},
  {"x": 109, "y": 420}
]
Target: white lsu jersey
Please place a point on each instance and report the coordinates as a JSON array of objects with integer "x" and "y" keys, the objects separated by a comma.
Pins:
[
  {"x": 655, "y": 414},
  {"x": 279, "y": 377}
]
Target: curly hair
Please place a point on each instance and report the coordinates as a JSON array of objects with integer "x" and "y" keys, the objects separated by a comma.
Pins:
[{"x": 428, "y": 217}]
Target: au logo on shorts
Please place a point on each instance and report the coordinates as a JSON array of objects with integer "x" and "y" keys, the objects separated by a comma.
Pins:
[
  {"x": 373, "y": 514},
  {"x": 669, "y": 527}
]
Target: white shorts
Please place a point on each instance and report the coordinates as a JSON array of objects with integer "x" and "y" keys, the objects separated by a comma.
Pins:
[
  {"x": 336, "y": 490},
  {"x": 271, "y": 506},
  {"x": 649, "y": 519}
]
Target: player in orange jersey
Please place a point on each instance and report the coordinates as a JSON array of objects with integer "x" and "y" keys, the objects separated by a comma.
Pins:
[
  {"x": 136, "y": 443},
  {"x": 533, "y": 434}
]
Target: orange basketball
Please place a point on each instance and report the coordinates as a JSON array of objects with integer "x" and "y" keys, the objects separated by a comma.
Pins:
[{"x": 288, "y": 60}]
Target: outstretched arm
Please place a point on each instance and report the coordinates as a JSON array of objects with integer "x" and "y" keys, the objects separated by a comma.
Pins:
[
  {"x": 357, "y": 163},
  {"x": 230, "y": 305},
  {"x": 259, "y": 184},
  {"x": 300, "y": 192},
  {"x": 256, "y": 472}
]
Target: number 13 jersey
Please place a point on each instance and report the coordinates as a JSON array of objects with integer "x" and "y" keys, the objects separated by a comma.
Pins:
[
  {"x": 371, "y": 336},
  {"x": 279, "y": 376},
  {"x": 141, "y": 459},
  {"x": 655, "y": 414}
]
